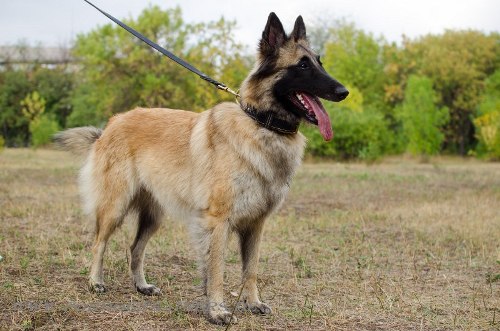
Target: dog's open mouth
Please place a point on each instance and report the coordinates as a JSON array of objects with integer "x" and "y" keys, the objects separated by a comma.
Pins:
[{"x": 314, "y": 112}]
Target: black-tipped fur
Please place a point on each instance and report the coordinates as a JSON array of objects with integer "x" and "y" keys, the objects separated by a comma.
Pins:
[
  {"x": 281, "y": 73},
  {"x": 299, "y": 29},
  {"x": 273, "y": 36}
]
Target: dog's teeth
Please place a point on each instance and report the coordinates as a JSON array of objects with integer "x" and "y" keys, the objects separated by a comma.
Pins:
[
  {"x": 301, "y": 99},
  {"x": 299, "y": 96}
]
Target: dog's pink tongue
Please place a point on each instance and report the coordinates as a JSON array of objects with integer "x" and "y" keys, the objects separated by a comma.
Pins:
[{"x": 324, "y": 124}]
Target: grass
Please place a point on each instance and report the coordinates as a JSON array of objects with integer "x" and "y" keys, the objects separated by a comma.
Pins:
[{"x": 392, "y": 246}]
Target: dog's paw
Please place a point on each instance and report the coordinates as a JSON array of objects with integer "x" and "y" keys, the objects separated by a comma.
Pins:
[
  {"x": 259, "y": 308},
  {"x": 149, "y": 290},
  {"x": 97, "y": 288},
  {"x": 219, "y": 315}
]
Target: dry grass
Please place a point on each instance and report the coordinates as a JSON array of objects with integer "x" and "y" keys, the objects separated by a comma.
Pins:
[{"x": 393, "y": 246}]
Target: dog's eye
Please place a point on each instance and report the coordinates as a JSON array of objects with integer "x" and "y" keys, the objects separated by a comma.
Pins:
[{"x": 304, "y": 64}]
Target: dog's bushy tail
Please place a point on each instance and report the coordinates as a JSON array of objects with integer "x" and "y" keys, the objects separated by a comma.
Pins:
[{"x": 77, "y": 140}]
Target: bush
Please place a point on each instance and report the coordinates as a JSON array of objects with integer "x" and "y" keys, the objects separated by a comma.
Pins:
[
  {"x": 42, "y": 129},
  {"x": 2, "y": 143},
  {"x": 488, "y": 134},
  {"x": 421, "y": 119},
  {"x": 363, "y": 135},
  {"x": 487, "y": 121}
]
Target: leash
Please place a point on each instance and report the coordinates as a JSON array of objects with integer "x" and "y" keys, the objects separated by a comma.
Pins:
[{"x": 168, "y": 54}]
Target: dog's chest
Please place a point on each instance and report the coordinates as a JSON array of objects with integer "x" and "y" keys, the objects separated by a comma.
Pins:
[
  {"x": 255, "y": 199},
  {"x": 261, "y": 188}
]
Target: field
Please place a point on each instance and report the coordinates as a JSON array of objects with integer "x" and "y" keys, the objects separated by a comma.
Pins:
[{"x": 398, "y": 245}]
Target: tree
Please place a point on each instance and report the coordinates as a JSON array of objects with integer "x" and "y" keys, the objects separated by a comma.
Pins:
[
  {"x": 458, "y": 62},
  {"x": 41, "y": 126},
  {"x": 487, "y": 121},
  {"x": 354, "y": 57},
  {"x": 17, "y": 81},
  {"x": 14, "y": 86},
  {"x": 399, "y": 65},
  {"x": 56, "y": 85},
  {"x": 422, "y": 120},
  {"x": 120, "y": 72}
]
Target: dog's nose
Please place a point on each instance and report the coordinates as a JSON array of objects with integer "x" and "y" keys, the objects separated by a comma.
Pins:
[{"x": 341, "y": 93}]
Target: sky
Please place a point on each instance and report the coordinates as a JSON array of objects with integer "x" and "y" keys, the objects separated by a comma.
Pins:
[{"x": 57, "y": 22}]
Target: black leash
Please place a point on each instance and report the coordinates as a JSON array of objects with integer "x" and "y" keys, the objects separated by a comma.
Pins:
[
  {"x": 265, "y": 119},
  {"x": 168, "y": 54}
]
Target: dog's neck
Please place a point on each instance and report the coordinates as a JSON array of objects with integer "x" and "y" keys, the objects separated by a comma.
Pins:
[{"x": 271, "y": 120}]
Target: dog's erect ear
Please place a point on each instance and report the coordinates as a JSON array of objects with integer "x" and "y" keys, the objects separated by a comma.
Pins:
[
  {"x": 273, "y": 36},
  {"x": 299, "y": 30}
]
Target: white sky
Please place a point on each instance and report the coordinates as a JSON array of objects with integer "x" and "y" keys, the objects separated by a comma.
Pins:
[{"x": 56, "y": 22}]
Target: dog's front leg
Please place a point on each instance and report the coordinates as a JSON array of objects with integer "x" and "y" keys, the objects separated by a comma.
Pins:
[
  {"x": 249, "y": 244},
  {"x": 212, "y": 240}
]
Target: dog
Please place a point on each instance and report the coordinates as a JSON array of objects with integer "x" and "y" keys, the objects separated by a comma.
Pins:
[{"x": 222, "y": 171}]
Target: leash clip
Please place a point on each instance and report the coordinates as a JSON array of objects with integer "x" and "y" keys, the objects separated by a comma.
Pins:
[{"x": 227, "y": 89}]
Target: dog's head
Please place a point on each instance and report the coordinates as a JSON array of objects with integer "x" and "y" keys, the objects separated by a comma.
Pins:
[{"x": 289, "y": 78}]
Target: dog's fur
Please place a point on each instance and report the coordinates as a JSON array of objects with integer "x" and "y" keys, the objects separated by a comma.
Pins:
[{"x": 218, "y": 170}]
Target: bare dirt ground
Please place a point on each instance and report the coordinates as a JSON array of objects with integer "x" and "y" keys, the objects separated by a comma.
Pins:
[{"x": 392, "y": 246}]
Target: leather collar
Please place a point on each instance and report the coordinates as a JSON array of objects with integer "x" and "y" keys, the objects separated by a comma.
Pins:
[{"x": 270, "y": 121}]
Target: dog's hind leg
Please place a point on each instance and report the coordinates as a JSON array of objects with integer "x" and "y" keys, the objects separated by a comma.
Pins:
[
  {"x": 106, "y": 223},
  {"x": 107, "y": 193},
  {"x": 148, "y": 223},
  {"x": 250, "y": 239}
]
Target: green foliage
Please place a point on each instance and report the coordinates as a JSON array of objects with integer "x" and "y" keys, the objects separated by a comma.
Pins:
[
  {"x": 399, "y": 65},
  {"x": 458, "y": 63},
  {"x": 55, "y": 84},
  {"x": 14, "y": 86},
  {"x": 354, "y": 58},
  {"x": 42, "y": 129},
  {"x": 421, "y": 119},
  {"x": 87, "y": 98},
  {"x": 358, "y": 134},
  {"x": 41, "y": 126},
  {"x": 490, "y": 101},
  {"x": 2, "y": 143},
  {"x": 121, "y": 73},
  {"x": 388, "y": 110},
  {"x": 354, "y": 100},
  {"x": 33, "y": 106},
  {"x": 487, "y": 122}
]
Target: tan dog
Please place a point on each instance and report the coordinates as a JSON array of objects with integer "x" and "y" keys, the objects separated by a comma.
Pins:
[{"x": 223, "y": 170}]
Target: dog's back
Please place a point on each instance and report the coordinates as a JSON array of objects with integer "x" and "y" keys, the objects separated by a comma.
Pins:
[{"x": 188, "y": 162}]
